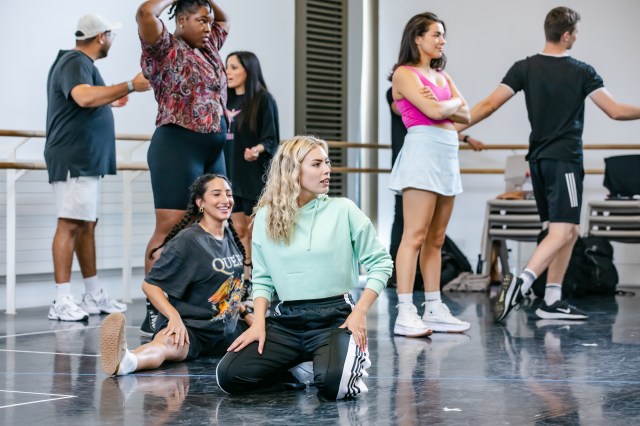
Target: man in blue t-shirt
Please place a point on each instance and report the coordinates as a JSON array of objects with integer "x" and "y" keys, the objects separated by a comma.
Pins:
[
  {"x": 555, "y": 87},
  {"x": 79, "y": 150}
]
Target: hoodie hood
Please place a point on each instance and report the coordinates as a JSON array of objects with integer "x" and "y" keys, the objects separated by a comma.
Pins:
[{"x": 313, "y": 205}]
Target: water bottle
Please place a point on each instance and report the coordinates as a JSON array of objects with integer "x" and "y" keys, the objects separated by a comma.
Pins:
[{"x": 527, "y": 187}]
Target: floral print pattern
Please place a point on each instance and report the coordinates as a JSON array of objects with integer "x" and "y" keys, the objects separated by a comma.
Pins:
[{"x": 190, "y": 88}]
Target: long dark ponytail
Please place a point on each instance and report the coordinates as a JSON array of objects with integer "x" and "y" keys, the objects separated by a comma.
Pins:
[{"x": 193, "y": 214}]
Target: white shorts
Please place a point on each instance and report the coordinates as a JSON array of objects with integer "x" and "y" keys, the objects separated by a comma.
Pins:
[
  {"x": 77, "y": 198},
  {"x": 428, "y": 160}
]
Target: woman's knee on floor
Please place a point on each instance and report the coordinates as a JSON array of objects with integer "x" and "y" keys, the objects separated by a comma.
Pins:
[
  {"x": 233, "y": 374},
  {"x": 226, "y": 372},
  {"x": 339, "y": 371}
]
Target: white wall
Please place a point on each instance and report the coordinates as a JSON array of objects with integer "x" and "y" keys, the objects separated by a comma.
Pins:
[
  {"x": 484, "y": 38},
  {"x": 34, "y": 30},
  {"x": 32, "y": 33}
]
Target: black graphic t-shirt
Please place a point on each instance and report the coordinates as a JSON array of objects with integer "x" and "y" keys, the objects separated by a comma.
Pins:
[{"x": 202, "y": 277}]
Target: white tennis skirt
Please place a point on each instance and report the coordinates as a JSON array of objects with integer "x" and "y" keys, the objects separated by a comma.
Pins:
[{"x": 428, "y": 160}]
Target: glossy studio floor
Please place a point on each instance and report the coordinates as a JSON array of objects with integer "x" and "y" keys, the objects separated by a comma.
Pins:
[{"x": 525, "y": 371}]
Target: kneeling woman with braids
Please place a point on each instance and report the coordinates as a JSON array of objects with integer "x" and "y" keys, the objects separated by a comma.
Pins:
[
  {"x": 201, "y": 271},
  {"x": 306, "y": 247}
]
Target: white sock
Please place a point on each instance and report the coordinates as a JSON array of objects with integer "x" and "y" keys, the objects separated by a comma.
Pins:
[
  {"x": 528, "y": 277},
  {"x": 405, "y": 298},
  {"x": 91, "y": 285},
  {"x": 63, "y": 290},
  {"x": 431, "y": 299},
  {"x": 128, "y": 364},
  {"x": 552, "y": 293}
]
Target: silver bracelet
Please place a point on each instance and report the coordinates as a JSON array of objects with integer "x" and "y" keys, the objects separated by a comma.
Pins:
[{"x": 130, "y": 86}]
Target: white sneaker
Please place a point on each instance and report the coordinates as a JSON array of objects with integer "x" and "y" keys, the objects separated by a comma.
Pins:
[
  {"x": 440, "y": 320},
  {"x": 95, "y": 305},
  {"x": 304, "y": 373},
  {"x": 408, "y": 322},
  {"x": 66, "y": 309}
]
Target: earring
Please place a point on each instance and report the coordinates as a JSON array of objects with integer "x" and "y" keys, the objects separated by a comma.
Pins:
[
  {"x": 181, "y": 27},
  {"x": 201, "y": 209}
]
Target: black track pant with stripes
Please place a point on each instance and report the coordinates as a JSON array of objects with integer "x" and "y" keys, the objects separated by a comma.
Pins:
[{"x": 300, "y": 331}]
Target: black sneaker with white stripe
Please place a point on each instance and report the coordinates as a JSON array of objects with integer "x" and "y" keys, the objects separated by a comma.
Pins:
[
  {"x": 560, "y": 310},
  {"x": 509, "y": 297},
  {"x": 148, "y": 326}
]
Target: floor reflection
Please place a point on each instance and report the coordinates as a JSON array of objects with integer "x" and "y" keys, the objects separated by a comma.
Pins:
[{"x": 525, "y": 371}]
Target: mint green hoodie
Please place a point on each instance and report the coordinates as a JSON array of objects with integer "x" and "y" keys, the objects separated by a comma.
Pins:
[{"x": 330, "y": 238}]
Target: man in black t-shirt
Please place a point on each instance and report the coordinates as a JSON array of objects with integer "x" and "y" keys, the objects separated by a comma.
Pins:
[
  {"x": 79, "y": 150},
  {"x": 555, "y": 87}
]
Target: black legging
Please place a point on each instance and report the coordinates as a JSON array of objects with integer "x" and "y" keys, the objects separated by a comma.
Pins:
[
  {"x": 305, "y": 330},
  {"x": 177, "y": 156}
]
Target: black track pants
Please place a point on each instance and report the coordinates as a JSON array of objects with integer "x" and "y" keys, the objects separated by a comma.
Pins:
[{"x": 300, "y": 331}]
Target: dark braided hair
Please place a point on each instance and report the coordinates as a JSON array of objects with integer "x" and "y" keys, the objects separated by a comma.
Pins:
[
  {"x": 189, "y": 6},
  {"x": 198, "y": 188}
]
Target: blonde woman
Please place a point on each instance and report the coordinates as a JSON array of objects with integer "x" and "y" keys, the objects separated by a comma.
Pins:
[{"x": 306, "y": 247}]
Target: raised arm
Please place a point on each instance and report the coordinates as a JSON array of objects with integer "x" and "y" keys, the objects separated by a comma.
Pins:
[
  {"x": 407, "y": 85},
  {"x": 148, "y": 19},
  {"x": 615, "y": 110},
  {"x": 487, "y": 106},
  {"x": 219, "y": 17}
]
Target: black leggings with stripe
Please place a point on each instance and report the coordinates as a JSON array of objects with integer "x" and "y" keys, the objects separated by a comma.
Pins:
[{"x": 300, "y": 331}]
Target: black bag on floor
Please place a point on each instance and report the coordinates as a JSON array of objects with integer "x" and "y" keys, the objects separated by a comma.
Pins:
[
  {"x": 454, "y": 262},
  {"x": 590, "y": 271},
  {"x": 604, "y": 275}
]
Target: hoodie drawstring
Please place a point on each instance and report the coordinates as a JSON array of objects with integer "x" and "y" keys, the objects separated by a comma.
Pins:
[{"x": 313, "y": 221}]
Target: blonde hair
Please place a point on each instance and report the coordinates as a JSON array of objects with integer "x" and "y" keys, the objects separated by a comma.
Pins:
[{"x": 281, "y": 192}]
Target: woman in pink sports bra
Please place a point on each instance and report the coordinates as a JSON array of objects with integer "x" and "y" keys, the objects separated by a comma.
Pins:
[{"x": 426, "y": 172}]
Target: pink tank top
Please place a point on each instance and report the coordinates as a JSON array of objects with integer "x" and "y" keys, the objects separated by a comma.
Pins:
[{"x": 412, "y": 116}]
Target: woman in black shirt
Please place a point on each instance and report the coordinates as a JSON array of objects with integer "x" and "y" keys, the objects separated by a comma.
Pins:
[{"x": 253, "y": 138}]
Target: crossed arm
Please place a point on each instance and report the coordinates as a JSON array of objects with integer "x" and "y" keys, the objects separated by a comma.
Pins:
[{"x": 407, "y": 85}]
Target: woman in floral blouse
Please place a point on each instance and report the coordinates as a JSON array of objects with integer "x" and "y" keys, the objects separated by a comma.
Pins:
[{"x": 189, "y": 82}]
